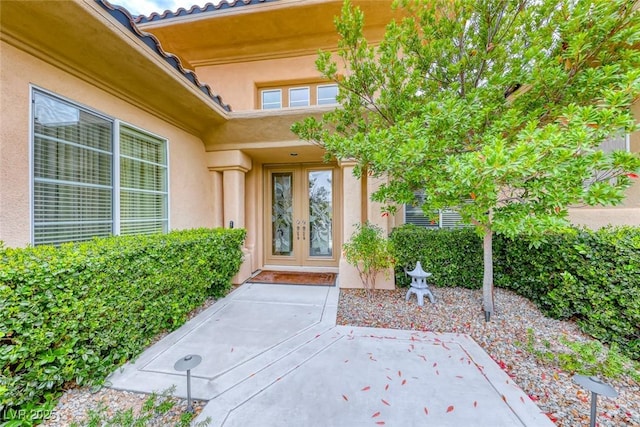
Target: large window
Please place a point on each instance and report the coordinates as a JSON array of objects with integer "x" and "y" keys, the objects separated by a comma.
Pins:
[{"x": 80, "y": 190}]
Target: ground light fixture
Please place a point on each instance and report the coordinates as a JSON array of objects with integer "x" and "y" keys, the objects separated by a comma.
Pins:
[
  {"x": 187, "y": 363},
  {"x": 596, "y": 387}
]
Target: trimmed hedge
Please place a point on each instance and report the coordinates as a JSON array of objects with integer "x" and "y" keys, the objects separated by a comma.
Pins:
[
  {"x": 72, "y": 314},
  {"x": 453, "y": 256},
  {"x": 590, "y": 276}
]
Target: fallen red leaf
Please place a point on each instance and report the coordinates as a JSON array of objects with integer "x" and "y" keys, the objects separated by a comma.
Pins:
[
  {"x": 533, "y": 397},
  {"x": 504, "y": 398},
  {"x": 380, "y": 423},
  {"x": 435, "y": 364},
  {"x": 450, "y": 408},
  {"x": 399, "y": 373},
  {"x": 366, "y": 388},
  {"x": 521, "y": 399},
  {"x": 386, "y": 387},
  {"x": 475, "y": 403},
  {"x": 426, "y": 411},
  {"x": 385, "y": 402},
  {"x": 377, "y": 414},
  {"x": 345, "y": 397},
  {"x": 404, "y": 382}
]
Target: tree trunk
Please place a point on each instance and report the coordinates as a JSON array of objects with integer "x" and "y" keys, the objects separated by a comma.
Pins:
[{"x": 487, "y": 280}]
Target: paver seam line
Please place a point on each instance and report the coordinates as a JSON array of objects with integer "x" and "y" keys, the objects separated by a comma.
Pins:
[
  {"x": 262, "y": 389},
  {"x": 175, "y": 336},
  {"x": 152, "y": 353},
  {"x": 497, "y": 383},
  {"x": 304, "y": 304},
  {"x": 465, "y": 342},
  {"x": 156, "y": 350},
  {"x": 159, "y": 348},
  {"x": 256, "y": 355}
]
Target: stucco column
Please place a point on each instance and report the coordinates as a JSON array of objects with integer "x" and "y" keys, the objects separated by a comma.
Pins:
[
  {"x": 356, "y": 210},
  {"x": 233, "y": 165},
  {"x": 233, "y": 196},
  {"x": 216, "y": 186}
]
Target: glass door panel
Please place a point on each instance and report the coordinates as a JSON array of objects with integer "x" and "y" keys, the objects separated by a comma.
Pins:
[
  {"x": 282, "y": 213},
  {"x": 320, "y": 198}
]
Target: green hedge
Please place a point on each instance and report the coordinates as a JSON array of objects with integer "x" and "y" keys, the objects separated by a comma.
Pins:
[
  {"x": 71, "y": 315},
  {"x": 590, "y": 276},
  {"x": 453, "y": 256}
]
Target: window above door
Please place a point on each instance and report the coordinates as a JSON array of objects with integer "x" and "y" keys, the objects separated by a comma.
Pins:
[{"x": 296, "y": 95}]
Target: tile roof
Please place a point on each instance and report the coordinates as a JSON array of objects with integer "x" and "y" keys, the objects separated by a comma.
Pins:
[
  {"x": 195, "y": 9},
  {"x": 123, "y": 16}
]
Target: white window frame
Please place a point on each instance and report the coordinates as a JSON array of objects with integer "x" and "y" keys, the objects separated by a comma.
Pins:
[
  {"x": 318, "y": 99},
  {"x": 262, "y": 103},
  {"x": 300, "y": 88},
  {"x": 115, "y": 160}
]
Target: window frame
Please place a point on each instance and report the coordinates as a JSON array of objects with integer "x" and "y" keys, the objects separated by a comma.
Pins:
[
  {"x": 115, "y": 170},
  {"x": 300, "y": 88},
  {"x": 322, "y": 86},
  {"x": 274, "y": 90}
]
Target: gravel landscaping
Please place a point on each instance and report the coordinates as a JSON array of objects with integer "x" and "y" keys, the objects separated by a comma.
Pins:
[{"x": 515, "y": 329}]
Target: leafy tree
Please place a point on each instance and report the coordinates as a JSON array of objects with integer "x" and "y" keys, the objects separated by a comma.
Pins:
[{"x": 493, "y": 107}]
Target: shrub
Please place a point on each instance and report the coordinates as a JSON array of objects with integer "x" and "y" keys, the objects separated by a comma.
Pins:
[
  {"x": 590, "y": 276},
  {"x": 452, "y": 256},
  {"x": 72, "y": 314},
  {"x": 369, "y": 251}
]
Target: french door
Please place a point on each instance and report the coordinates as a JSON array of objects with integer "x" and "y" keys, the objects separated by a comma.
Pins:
[{"x": 301, "y": 206}]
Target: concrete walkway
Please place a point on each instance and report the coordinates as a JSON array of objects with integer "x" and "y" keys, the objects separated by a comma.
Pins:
[{"x": 272, "y": 355}]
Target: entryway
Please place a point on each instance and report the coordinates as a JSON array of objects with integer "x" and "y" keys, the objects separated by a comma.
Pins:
[{"x": 301, "y": 207}]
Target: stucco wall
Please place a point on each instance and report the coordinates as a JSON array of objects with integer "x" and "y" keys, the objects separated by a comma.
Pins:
[
  {"x": 236, "y": 82},
  {"x": 191, "y": 203}
]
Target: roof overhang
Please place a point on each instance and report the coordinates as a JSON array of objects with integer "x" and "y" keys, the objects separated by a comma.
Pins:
[
  {"x": 266, "y": 135},
  {"x": 85, "y": 40},
  {"x": 275, "y": 29}
]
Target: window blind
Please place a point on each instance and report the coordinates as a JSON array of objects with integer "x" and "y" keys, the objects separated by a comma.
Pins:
[
  {"x": 143, "y": 183},
  {"x": 72, "y": 172}
]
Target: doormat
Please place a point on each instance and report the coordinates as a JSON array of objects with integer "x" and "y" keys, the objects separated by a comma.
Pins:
[{"x": 294, "y": 278}]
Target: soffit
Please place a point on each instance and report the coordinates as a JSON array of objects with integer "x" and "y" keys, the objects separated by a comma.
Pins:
[
  {"x": 83, "y": 39},
  {"x": 276, "y": 29},
  {"x": 266, "y": 135}
]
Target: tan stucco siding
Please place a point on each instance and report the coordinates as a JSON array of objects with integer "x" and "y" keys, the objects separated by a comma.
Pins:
[
  {"x": 236, "y": 82},
  {"x": 191, "y": 203}
]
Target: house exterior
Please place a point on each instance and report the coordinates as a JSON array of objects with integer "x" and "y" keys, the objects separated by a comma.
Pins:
[{"x": 111, "y": 124}]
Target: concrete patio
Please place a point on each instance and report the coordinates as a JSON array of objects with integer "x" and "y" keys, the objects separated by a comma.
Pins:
[{"x": 272, "y": 355}]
